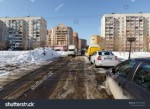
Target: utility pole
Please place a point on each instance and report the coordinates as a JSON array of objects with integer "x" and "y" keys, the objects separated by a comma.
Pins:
[{"x": 130, "y": 39}]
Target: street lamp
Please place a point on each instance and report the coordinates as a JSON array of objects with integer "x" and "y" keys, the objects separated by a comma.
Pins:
[{"x": 130, "y": 39}]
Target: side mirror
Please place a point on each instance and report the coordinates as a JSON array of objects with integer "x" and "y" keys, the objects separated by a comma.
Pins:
[{"x": 113, "y": 70}]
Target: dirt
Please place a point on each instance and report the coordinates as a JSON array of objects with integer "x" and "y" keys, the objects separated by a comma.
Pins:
[{"x": 80, "y": 82}]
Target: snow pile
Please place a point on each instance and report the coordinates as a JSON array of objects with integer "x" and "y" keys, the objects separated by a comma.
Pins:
[
  {"x": 7, "y": 56},
  {"x": 125, "y": 55},
  {"x": 36, "y": 56},
  {"x": 4, "y": 73},
  {"x": 63, "y": 53}
]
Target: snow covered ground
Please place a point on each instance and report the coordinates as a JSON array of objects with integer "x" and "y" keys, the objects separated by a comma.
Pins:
[
  {"x": 125, "y": 55},
  {"x": 26, "y": 58}
]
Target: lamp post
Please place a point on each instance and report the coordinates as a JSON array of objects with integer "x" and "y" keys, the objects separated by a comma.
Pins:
[{"x": 130, "y": 39}]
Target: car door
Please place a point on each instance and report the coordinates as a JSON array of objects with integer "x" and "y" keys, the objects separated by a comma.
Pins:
[
  {"x": 141, "y": 82},
  {"x": 117, "y": 82}
]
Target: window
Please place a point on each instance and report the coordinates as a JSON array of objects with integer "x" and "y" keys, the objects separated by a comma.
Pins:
[
  {"x": 106, "y": 53},
  {"x": 125, "y": 68},
  {"x": 100, "y": 53},
  {"x": 142, "y": 76}
]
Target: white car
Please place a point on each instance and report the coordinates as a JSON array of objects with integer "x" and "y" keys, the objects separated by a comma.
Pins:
[{"x": 104, "y": 58}]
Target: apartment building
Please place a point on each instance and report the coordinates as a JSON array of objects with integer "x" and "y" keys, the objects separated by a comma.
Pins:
[
  {"x": 82, "y": 44},
  {"x": 2, "y": 35},
  {"x": 60, "y": 37},
  {"x": 95, "y": 39},
  {"x": 17, "y": 34},
  {"x": 31, "y": 32},
  {"x": 115, "y": 28},
  {"x": 75, "y": 39},
  {"x": 49, "y": 42}
]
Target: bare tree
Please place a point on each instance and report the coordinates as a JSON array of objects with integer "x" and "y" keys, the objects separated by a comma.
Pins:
[{"x": 146, "y": 42}]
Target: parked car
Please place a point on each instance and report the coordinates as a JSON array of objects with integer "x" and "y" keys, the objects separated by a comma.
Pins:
[
  {"x": 83, "y": 52},
  {"x": 104, "y": 58},
  {"x": 129, "y": 80}
]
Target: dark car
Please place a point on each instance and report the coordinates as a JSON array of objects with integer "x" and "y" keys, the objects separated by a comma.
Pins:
[
  {"x": 129, "y": 80},
  {"x": 82, "y": 52}
]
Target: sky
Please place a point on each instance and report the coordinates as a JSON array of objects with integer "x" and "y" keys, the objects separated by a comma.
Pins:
[{"x": 84, "y": 16}]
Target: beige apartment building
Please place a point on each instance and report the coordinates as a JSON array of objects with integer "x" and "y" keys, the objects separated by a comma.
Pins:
[
  {"x": 95, "y": 39},
  {"x": 60, "y": 37},
  {"x": 25, "y": 32},
  {"x": 115, "y": 28}
]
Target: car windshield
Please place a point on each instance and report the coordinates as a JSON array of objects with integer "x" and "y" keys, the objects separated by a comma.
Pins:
[
  {"x": 105, "y": 53},
  {"x": 71, "y": 49}
]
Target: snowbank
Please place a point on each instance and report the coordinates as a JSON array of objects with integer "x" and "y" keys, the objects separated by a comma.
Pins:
[
  {"x": 125, "y": 55},
  {"x": 23, "y": 58},
  {"x": 63, "y": 53},
  {"x": 34, "y": 56}
]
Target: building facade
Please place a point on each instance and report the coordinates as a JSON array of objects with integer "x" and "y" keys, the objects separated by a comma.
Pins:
[
  {"x": 75, "y": 39},
  {"x": 95, "y": 39},
  {"x": 2, "y": 35},
  {"x": 115, "y": 28},
  {"x": 60, "y": 37},
  {"x": 26, "y": 32},
  {"x": 17, "y": 34},
  {"x": 82, "y": 44}
]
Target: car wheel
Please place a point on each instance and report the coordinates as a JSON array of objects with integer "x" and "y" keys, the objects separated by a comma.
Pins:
[
  {"x": 107, "y": 88},
  {"x": 91, "y": 62},
  {"x": 89, "y": 58}
]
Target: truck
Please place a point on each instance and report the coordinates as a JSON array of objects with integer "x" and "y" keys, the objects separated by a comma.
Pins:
[
  {"x": 72, "y": 50},
  {"x": 92, "y": 49},
  {"x": 60, "y": 48}
]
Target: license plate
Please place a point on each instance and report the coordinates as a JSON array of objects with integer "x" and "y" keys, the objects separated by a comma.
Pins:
[{"x": 107, "y": 58}]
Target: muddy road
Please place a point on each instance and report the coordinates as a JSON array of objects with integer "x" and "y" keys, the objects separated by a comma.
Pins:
[{"x": 65, "y": 78}]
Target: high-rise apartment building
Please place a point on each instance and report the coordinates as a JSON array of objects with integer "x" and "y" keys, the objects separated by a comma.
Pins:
[
  {"x": 17, "y": 34},
  {"x": 60, "y": 37},
  {"x": 115, "y": 28},
  {"x": 27, "y": 32}
]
